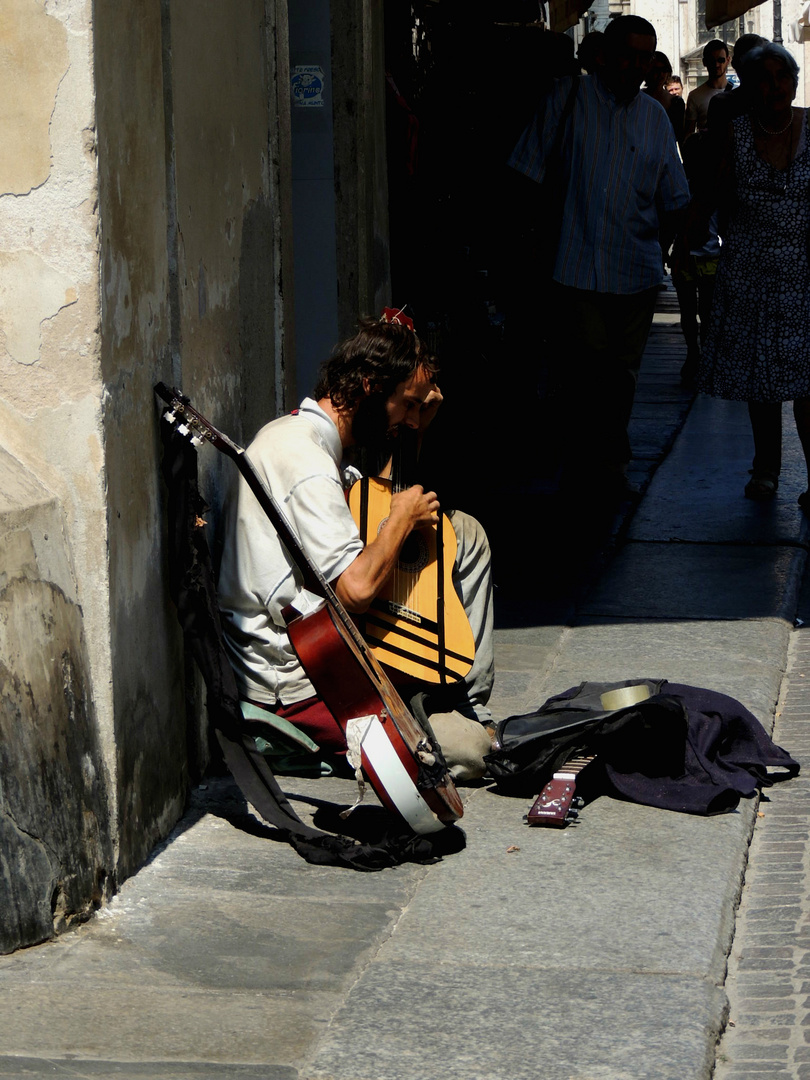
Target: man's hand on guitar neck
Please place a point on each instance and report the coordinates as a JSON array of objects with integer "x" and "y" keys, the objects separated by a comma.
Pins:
[
  {"x": 427, "y": 413},
  {"x": 429, "y": 408},
  {"x": 360, "y": 583}
]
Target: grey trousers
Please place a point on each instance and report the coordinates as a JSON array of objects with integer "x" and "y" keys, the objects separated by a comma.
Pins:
[{"x": 472, "y": 578}]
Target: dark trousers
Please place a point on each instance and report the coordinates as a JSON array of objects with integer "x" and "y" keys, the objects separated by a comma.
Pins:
[{"x": 592, "y": 369}]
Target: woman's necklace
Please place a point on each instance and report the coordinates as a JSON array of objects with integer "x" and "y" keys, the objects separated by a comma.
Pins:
[
  {"x": 781, "y": 131},
  {"x": 774, "y": 153}
]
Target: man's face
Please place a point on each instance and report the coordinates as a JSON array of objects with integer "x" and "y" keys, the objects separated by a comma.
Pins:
[
  {"x": 625, "y": 67},
  {"x": 377, "y": 419},
  {"x": 405, "y": 404},
  {"x": 717, "y": 63}
]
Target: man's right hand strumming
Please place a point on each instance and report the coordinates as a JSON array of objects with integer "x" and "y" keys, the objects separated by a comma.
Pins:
[{"x": 416, "y": 506}]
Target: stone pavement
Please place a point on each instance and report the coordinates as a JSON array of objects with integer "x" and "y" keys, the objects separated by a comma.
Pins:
[
  {"x": 768, "y": 979},
  {"x": 594, "y": 953}
]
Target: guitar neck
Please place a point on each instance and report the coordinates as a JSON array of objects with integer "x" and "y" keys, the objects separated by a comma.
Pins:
[
  {"x": 403, "y": 460},
  {"x": 557, "y": 804}
]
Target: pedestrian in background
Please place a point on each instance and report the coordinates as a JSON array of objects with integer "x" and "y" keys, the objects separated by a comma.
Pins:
[
  {"x": 716, "y": 60},
  {"x": 675, "y": 86},
  {"x": 757, "y": 348},
  {"x": 656, "y": 86},
  {"x": 621, "y": 182}
]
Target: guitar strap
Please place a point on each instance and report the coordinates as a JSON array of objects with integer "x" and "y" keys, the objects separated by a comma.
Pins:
[{"x": 193, "y": 590}]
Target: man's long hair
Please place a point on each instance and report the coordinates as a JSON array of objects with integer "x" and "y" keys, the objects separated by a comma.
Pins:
[{"x": 385, "y": 353}]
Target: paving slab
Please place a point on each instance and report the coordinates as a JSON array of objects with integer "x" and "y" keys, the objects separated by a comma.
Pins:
[
  {"x": 698, "y": 581},
  {"x": 586, "y": 909},
  {"x": 698, "y": 494},
  {"x": 743, "y": 659},
  {"x": 518, "y": 1024},
  {"x": 31, "y": 1068}
]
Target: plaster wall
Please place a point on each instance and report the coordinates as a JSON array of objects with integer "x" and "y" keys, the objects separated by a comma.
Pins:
[
  {"x": 142, "y": 199},
  {"x": 49, "y": 333},
  {"x": 361, "y": 175},
  {"x": 190, "y": 283},
  {"x": 149, "y": 720},
  {"x": 227, "y": 223},
  {"x": 56, "y": 857},
  {"x": 665, "y": 15},
  {"x": 145, "y": 208}
]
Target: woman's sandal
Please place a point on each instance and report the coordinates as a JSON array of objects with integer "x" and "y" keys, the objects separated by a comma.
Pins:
[{"x": 762, "y": 486}]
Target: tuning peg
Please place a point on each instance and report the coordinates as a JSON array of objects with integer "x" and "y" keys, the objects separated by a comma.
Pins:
[
  {"x": 572, "y": 815},
  {"x": 577, "y": 802},
  {"x": 170, "y": 416}
]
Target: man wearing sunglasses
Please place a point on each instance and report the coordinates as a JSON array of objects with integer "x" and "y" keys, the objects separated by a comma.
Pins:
[{"x": 715, "y": 60}]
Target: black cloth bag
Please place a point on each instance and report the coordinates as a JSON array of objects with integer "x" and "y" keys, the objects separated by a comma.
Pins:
[{"x": 684, "y": 748}]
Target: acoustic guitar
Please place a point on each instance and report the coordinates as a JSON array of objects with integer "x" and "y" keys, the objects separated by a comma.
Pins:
[
  {"x": 405, "y": 770},
  {"x": 417, "y": 623}
]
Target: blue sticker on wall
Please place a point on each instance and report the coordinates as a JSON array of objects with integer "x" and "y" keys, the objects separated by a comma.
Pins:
[{"x": 307, "y": 86}]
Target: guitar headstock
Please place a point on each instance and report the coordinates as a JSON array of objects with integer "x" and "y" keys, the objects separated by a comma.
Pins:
[
  {"x": 193, "y": 425},
  {"x": 557, "y": 804}
]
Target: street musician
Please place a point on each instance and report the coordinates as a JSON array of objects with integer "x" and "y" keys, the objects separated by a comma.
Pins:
[{"x": 375, "y": 383}]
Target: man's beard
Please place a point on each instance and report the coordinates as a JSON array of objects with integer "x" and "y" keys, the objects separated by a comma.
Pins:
[{"x": 370, "y": 428}]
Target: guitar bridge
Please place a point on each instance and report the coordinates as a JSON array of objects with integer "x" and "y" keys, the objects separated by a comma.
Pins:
[{"x": 403, "y": 612}]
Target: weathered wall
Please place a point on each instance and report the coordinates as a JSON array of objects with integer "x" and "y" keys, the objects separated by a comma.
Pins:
[
  {"x": 56, "y": 859},
  {"x": 56, "y": 852},
  {"x": 225, "y": 219},
  {"x": 190, "y": 295},
  {"x": 149, "y": 716},
  {"x": 361, "y": 180},
  {"x": 141, "y": 238},
  {"x": 49, "y": 374},
  {"x": 145, "y": 206}
]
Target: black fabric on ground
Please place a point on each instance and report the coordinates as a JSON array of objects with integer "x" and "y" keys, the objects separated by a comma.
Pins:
[{"x": 685, "y": 748}]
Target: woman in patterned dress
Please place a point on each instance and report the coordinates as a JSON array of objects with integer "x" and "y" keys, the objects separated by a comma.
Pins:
[{"x": 757, "y": 347}]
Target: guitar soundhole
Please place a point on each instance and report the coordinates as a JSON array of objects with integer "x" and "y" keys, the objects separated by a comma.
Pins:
[{"x": 414, "y": 556}]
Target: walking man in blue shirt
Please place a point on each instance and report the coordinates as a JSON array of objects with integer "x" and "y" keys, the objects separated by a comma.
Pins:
[{"x": 623, "y": 184}]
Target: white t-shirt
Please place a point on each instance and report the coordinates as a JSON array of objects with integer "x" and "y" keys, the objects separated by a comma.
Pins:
[
  {"x": 298, "y": 457},
  {"x": 697, "y": 105}
]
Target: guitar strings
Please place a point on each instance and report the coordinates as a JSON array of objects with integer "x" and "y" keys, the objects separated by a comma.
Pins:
[
  {"x": 397, "y": 484},
  {"x": 406, "y": 583}
]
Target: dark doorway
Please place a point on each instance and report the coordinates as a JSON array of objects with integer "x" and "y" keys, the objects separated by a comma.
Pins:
[{"x": 464, "y": 80}]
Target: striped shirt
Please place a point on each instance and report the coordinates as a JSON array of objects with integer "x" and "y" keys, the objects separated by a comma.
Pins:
[{"x": 625, "y": 172}]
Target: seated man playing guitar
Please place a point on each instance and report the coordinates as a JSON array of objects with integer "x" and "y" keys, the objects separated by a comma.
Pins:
[{"x": 375, "y": 383}]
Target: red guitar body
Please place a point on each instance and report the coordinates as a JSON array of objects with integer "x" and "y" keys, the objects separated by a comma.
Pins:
[{"x": 354, "y": 687}]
